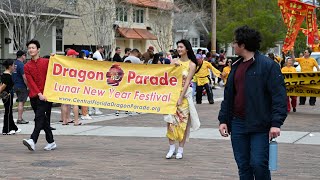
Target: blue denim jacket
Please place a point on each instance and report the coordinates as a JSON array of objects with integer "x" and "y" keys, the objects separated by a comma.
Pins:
[{"x": 265, "y": 92}]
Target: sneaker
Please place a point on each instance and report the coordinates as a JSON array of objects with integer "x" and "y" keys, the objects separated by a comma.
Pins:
[
  {"x": 127, "y": 112},
  {"x": 18, "y": 131},
  {"x": 294, "y": 110},
  {"x": 130, "y": 113},
  {"x": 117, "y": 113},
  {"x": 86, "y": 117},
  {"x": 50, "y": 146},
  {"x": 179, "y": 155},
  {"x": 90, "y": 112},
  {"x": 12, "y": 132},
  {"x": 98, "y": 112},
  {"x": 30, "y": 144},
  {"x": 4, "y": 133},
  {"x": 22, "y": 121},
  {"x": 169, "y": 154}
]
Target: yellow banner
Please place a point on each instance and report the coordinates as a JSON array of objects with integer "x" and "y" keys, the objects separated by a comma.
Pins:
[
  {"x": 303, "y": 84},
  {"x": 150, "y": 88}
]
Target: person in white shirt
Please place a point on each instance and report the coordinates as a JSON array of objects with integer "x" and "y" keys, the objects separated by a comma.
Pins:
[
  {"x": 99, "y": 53},
  {"x": 133, "y": 57}
]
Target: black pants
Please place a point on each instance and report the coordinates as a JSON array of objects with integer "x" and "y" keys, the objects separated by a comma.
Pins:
[
  {"x": 8, "y": 123},
  {"x": 42, "y": 111},
  {"x": 312, "y": 100},
  {"x": 199, "y": 93}
]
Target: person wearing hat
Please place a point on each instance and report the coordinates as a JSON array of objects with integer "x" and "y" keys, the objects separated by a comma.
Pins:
[
  {"x": 20, "y": 84},
  {"x": 148, "y": 55}
]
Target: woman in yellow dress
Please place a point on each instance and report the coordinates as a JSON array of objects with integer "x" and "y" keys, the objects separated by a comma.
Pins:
[{"x": 186, "y": 117}]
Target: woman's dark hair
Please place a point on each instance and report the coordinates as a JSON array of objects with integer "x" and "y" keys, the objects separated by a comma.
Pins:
[
  {"x": 7, "y": 63},
  {"x": 34, "y": 41},
  {"x": 156, "y": 58},
  {"x": 249, "y": 37},
  {"x": 190, "y": 52}
]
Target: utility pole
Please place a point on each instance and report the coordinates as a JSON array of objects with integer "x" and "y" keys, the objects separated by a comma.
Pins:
[{"x": 214, "y": 27}]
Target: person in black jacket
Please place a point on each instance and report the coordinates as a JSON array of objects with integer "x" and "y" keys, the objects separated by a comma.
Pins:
[
  {"x": 254, "y": 105},
  {"x": 116, "y": 57}
]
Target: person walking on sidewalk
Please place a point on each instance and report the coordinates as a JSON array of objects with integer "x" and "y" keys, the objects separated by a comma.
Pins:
[
  {"x": 186, "y": 117},
  {"x": 20, "y": 84},
  {"x": 254, "y": 105},
  {"x": 290, "y": 69},
  {"x": 9, "y": 127},
  {"x": 36, "y": 71}
]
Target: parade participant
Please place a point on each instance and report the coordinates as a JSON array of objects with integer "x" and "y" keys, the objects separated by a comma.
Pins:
[
  {"x": 290, "y": 68},
  {"x": 20, "y": 84},
  {"x": 180, "y": 131},
  {"x": 307, "y": 64},
  {"x": 36, "y": 73},
  {"x": 6, "y": 90},
  {"x": 254, "y": 105},
  {"x": 202, "y": 78},
  {"x": 226, "y": 71}
]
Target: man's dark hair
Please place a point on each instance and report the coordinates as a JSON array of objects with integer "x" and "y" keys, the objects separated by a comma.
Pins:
[
  {"x": 117, "y": 48},
  {"x": 34, "y": 41},
  {"x": 127, "y": 50},
  {"x": 199, "y": 50},
  {"x": 309, "y": 50},
  {"x": 249, "y": 37},
  {"x": 135, "y": 51}
]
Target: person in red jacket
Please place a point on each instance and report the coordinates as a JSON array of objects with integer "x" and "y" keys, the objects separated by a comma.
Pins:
[{"x": 36, "y": 71}]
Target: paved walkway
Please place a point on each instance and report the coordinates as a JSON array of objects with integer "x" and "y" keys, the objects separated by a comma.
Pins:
[{"x": 133, "y": 147}]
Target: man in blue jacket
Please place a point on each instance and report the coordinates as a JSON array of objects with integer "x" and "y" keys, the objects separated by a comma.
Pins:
[{"x": 254, "y": 105}]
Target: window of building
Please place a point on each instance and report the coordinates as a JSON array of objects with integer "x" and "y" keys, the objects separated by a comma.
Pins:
[
  {"x": 121, "y": 14},
  {"x": 59, "y": 40},
  {"x": 138, "y": 16},
  {"x": 194, "y": 42}
]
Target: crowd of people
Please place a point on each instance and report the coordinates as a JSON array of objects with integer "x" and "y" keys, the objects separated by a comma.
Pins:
[{"x": 254, "y": 108}]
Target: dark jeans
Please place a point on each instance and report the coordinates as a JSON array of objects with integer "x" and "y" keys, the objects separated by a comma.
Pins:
[
  {"x": 312, "y": 100},
  {"x": 42, "y": 110},
  {"x": 8, "y": 123},
  {"x": 199, "y": 90},
  {"x": 251, "y": 152}
]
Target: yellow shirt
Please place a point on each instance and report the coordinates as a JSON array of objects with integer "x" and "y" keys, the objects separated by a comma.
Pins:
[
  {"x": 316, "y": 48},
  {"x": 307, "y": 64},
  {"x": 185, "y": 65},
  {"x": 201, "y": 76},
  {"x": 288, "y": 69},
  {"x": 226, "y": 72}
]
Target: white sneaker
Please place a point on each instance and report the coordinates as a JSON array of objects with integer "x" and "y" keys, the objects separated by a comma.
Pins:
[
  {"x": 50, "y": 146},
  {"x": 18, "y": 131},
  {"x": 169, "y": 154},
  {"x": 98, "y": 112},
  {"x": 30, "y": 144},
  {"x": 12, "y": 132},
  {"x": 90, "y": 112},
  {"x": 117, "y": 113},
  {"x": 86, "y": 117},
  {"x": 179, "y": 155},
  {"x": 130, "y": 113}
]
